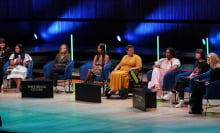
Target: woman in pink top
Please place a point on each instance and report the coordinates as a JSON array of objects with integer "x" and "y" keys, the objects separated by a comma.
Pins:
[{"x": 162, "y": 67}]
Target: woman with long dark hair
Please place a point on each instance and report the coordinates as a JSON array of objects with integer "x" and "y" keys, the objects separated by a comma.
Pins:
[
  {"x": 5, "y": 52},
  {"x": 19, "y": 61},
  {"x": 99, "y": 61}
]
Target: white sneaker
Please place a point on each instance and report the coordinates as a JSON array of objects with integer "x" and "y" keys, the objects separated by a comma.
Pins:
[
  {"x": 181, "y": 104},
  {"x": 168, "y": 96}
]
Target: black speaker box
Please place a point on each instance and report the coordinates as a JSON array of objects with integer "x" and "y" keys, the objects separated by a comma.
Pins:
[
  {"x": 37, "y": 88},
  {"x": 143, "y": 98},
  {"x": 88, "y": 92}
]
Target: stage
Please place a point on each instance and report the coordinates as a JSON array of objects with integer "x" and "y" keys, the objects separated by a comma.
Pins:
[{"x": 63, "y": 114}]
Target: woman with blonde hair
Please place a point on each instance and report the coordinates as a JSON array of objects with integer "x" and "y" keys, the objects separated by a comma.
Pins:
[
  {"x": 62, "y": 59},
  {"x": 199, "y": 86}
]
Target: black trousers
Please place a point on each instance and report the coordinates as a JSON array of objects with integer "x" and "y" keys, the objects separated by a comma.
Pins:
[
  {"x": 54, "y": 73},
  {"x": 179, "y": 86},
  {"x": 198, "y": 91}
]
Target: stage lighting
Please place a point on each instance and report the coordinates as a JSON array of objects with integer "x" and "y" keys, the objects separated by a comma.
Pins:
[
  {"x": 203, "y": 41},
  {"x": 119, "y": 50},
  {"x": 118, "y": 38},
  {"x": 35, "y": 36}
]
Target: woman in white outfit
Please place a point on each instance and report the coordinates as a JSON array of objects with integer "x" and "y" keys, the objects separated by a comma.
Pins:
[{"x": 19, "y": 61}]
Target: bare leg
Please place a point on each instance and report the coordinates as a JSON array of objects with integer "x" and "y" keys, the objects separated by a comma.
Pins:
[
  {"x": 88, "y": 75},
  {"x": 15, "y": 80},
  {"x": 18, "y": 83},
  {"x": 91, "y": 78}
]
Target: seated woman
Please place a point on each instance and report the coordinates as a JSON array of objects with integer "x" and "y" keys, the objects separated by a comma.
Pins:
[
  {"x": 200, "y": 67},
  {"x": 119, "y": 78},
  {"x": 162, "y": 67},
  {"x": 19, "y": 61},
  {"x": 99, "y": 61},
  {"x": 199, "y": 87},
  {"x": 62, "y": 59}
]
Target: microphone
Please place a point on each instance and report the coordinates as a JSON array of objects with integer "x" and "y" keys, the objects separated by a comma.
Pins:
[{"x": 19, "y": 56}]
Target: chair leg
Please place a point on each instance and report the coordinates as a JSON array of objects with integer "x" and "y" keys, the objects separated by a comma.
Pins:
[
  {"x": 70, "y": 84},
  {"x": 206, "y": 107}
]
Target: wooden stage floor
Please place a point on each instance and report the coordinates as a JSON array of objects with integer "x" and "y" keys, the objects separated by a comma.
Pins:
[{"x": 62, "y": 114}]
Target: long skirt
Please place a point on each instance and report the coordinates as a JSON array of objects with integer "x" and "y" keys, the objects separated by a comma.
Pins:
[
  {"x": 118, "y": 80},
  {"x": 18, "y": 72}
]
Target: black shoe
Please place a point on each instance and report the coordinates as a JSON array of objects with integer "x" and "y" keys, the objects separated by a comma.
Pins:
[{"x": 195, "y": 112}]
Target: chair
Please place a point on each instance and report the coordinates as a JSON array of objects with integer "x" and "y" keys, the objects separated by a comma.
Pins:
[
  {"x": 29, "y": 70},
  {"x": 66, "y": 76},
  {"x": 85, "y": 67},
  {"x": 169, "y": 78},
  {"x": 83, "y": 70},
  {"x": 212, "y": 90}
]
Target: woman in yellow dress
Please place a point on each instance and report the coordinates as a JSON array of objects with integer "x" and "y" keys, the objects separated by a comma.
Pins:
[{"x": 119, "y": 78}]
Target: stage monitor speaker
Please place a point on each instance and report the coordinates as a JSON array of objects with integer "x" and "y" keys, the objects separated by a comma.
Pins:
[
  {"x": 88, "y": 92},
  {"x": 37, "y": 88},
  {"x": 143, "y": 98}
]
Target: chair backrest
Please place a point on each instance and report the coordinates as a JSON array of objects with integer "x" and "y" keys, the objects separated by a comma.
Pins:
[
  {"x": 47, "y": 68},
  {"x": 69, "y": 70},
  {"x": 107, "y": 69},
  {"x": 212, "y": 90},
  {"x": 30, "y": 69},
  {"x": 84, "y": 69},
  {"x": 169, "y": 78}
]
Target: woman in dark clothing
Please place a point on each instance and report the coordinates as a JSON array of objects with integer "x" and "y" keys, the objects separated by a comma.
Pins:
[
  {"x": 62, "y": 59},
  {"x": 5, "y": 52},
  {"x": 200, "y": 67},
  {"x": 199, "y": 87}
]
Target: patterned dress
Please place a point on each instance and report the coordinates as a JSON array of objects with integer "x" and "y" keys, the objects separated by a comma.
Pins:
[{"x": 97, "y": 72}]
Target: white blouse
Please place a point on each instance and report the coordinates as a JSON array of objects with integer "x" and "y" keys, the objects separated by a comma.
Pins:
[
  {"x": 27, "y": 57},
  {"x": 166, "y": 64}
]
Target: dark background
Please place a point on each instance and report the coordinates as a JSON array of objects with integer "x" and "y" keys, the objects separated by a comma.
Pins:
[{"x": 181, "y": 24}]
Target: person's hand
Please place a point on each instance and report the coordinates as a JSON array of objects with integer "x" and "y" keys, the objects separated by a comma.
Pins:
[
  {"x": 24, "y": 63},
  {"x": 115, "y": 69},
  {"x": 18, "y": 60},
  {"x": 206, "y": 83},
  {"x": 99, "y": 67},
  {"x": 131, "y": 69},
  {"x": 190, "y": 77}
]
